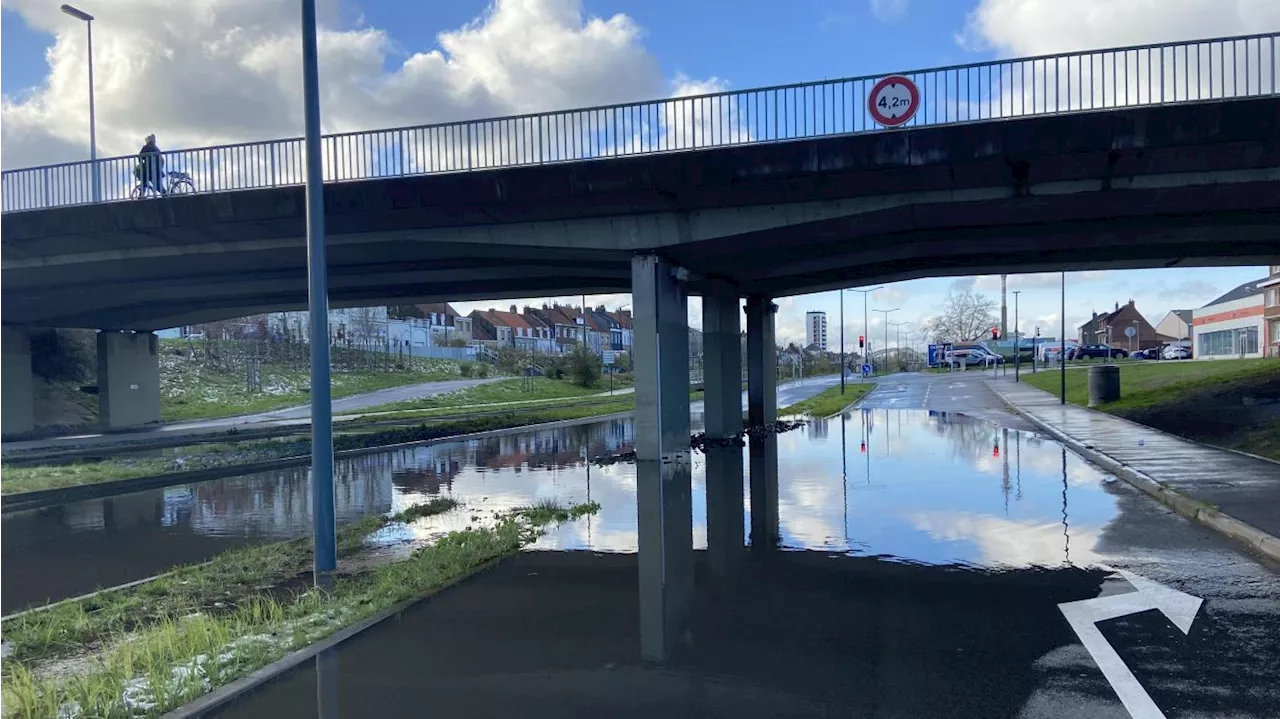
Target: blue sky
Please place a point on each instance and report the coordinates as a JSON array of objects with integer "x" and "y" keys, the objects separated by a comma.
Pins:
[{"x": 710, "y": 43}]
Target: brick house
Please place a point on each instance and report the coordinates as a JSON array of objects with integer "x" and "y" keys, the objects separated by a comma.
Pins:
[{"x": 1109, "y": 328}]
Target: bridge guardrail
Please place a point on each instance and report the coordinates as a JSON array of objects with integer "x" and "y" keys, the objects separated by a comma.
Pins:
[{"x": 1213, "y": 69}]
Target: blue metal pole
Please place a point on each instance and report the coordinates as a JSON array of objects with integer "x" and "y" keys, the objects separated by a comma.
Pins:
[{"x": 326, "y": 546}]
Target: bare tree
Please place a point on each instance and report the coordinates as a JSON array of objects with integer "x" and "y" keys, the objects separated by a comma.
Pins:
[{"x": 966, "y": 316}]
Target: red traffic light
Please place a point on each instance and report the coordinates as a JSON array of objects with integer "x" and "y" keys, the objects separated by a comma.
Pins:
[
  {"x": 995, "y": 333},
  {"x": 861, "y": 340},
  {"x": 995, "y": 450},
  {"x": 864, "y": 448}
]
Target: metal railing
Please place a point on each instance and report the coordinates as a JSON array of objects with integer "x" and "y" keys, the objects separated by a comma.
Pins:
[{"x": 1216, "y": 69}]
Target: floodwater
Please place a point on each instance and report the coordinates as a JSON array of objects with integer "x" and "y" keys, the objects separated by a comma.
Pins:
[{"x": 921, "y": 560}]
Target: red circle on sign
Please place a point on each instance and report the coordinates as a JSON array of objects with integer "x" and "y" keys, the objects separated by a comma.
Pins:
[{"x": 887, "y": 83}]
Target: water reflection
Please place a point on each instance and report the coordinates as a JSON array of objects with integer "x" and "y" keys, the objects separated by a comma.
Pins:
[{"x": 923, "y": 486}]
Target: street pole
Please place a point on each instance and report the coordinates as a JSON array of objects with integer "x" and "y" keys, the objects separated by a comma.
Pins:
[
  {"x": 886, "y": 333},
  {"x": 93, "y": 125},
  {"x": 865, "y": 333},
  {"x": 326, "y": 547},
  {"x": 1017, "y": 342},
  {"x": 897, "y": 342},
  {"x": 1062, "y": 354},
  {"x": 842, "y": 342}
]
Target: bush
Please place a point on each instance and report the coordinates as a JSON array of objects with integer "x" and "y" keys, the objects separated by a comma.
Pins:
[
  {"x": 584, "y": 366},
  {"x": 480, "y": 370},
  {"x": 465, "y": 369}
]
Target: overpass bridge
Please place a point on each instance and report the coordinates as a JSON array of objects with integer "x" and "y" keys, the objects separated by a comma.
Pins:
[{"x": 1159, "y": 155}]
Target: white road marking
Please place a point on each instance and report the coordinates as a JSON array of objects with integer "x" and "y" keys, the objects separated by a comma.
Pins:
[{"x": 1084, "y": 615}]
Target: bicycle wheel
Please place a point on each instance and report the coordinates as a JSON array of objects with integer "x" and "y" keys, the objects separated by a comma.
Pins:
[
  {"x": 138, "y": 192},
  {"x": 181, "y": 186}
]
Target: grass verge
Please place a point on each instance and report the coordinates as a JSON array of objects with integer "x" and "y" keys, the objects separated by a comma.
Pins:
[
  {"x": 519, "y": 389},
  {"x": 15, "y": 480},
  {"x": 1199, "y": 400},
  {"x": 829, "y": 401},
  {"x": 144, "y": 650}
]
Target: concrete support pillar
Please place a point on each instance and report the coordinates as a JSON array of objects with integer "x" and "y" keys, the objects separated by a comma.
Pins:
[
  {"x": 722, "y": 381},
  {"x": 128, "y": 379},
  {"x": 664, "y": 502},
  {"x": 16, "y": 400},
  {"x": 762, "y": 409}
]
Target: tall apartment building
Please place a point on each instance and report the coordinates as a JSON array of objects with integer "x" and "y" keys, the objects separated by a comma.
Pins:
[{"x": 815, "y": 324}]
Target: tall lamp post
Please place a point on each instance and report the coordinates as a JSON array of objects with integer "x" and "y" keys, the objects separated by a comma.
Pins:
[
  {"x": 79, "y": 14},
  {"x": 1017, "y": 341},
  {"x": 865, "y": 333},
  {"x": 322, "y": 497},
  {"x": 897, "y": 342},
  {"x": 886, "y": 333},
  {"x": 1062, "y": 356},
  {"x": 842, "y": 346}
]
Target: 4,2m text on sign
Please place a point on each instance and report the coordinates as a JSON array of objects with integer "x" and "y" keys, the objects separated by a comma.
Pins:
[{"x": 893, "y": 101}]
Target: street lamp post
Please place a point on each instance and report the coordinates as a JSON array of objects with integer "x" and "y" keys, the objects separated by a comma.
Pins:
[
  {"x": 1062, "y": 355},
  {"x": 842, "y": 342},
  {"x": 886, "y": 332},
  {"x": 865, "y": 333},
  {"x": 1133, "y": 336},
  {"x": 1017, "y": 342},
  {"x": 322, "y": 494},
  {"x": 93, "y": 131},
  {"x": 897, "y": 342}
]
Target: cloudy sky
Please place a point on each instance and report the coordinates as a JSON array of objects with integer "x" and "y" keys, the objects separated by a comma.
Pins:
[{"x": 217, "y": 71}]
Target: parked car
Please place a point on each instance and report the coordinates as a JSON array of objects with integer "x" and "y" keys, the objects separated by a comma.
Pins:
[
  {"x": 1095, "y": 352},
  {"x": 1146, "y": 354},
  {"x": 968, "y": 357},
  {"x": 1175, "y": 352}
]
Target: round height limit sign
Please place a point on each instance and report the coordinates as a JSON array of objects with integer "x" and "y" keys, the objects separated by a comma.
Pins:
[{"x": 893, "y": 101}]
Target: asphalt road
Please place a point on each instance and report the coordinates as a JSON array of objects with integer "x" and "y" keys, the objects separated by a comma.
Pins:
[{"x": 962, "y": 392}]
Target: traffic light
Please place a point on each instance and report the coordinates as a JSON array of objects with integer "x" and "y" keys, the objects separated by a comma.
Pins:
[
  {"x": 861, "y": 341},
  {"x": 995, "y": 333},
  {"x": 995, "y": 450}
]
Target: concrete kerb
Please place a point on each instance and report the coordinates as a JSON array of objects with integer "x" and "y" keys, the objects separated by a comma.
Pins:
[
  {"x": 1189, "y": 507},
  {"x": 48, "y": 497},
  {"x": 222, "y": 696}
]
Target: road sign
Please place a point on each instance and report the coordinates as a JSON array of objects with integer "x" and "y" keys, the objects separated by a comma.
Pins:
[
  {"x": 609, "y": 357},
  {"x": 1130, "y": 332},
  {"x": 1084, "y": 615},
  {"x": 893, "y": 101},
  {"x": 866, "y": 369}
]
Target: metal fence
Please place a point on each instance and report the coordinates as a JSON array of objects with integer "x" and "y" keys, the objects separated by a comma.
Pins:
[{"x": 1217, "y": 69}]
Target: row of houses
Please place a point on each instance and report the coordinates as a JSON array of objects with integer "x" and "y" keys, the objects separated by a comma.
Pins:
[
  {"x": 549, "y": 329},
  {"x": 1243, "y": 322}
]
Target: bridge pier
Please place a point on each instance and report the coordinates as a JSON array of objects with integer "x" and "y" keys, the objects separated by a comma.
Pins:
[
  {"x": 664, "y": 504},
  {"x": 722, "y": 382},
  {"x": 128, "y": 379},
  {"x": 762, "y": 409},
  {"x": 16, "y": 399}
]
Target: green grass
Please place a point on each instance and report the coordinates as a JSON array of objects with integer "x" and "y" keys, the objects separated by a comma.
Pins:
[
  {"x": 1146, "y": 384},
  {"x": 15, "y": 480},
  {"x": 156, "y": 658},
  {"x": 194, "y": 390},
  {"x": 519, "y": 389},
  {"x": 829, "y": 401}
]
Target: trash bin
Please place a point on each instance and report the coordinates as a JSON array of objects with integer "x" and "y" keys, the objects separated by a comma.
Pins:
[{"x": 1104, "y": 384}]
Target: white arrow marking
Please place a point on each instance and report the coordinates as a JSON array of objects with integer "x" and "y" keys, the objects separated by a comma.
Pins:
[{"x": 1084, "y": 615}]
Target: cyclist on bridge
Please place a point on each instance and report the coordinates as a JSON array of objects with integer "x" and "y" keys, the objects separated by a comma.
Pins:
[{"x": 150, "y": 167}]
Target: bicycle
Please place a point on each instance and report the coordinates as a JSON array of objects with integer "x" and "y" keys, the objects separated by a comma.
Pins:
[{"x": 177, "y": 183}]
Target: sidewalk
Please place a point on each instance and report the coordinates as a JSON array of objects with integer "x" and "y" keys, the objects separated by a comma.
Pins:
[{"x": 1235, "y": 493}]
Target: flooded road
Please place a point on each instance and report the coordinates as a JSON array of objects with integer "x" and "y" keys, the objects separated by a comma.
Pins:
[
  {"x": 923, "y": 563},
  {"x": 924, "y": 559}
]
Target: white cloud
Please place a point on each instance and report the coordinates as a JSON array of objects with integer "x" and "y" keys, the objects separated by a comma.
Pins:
[
  {"x": 889, "y": 11},
  {"x": 1033, "y": 27},
  {"x": 223, "y": 71}
]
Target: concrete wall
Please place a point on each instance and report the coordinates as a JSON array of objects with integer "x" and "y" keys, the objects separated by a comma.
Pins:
[
  {"x": 128, "y": 379},
  {"x": 15, "y": 382}
]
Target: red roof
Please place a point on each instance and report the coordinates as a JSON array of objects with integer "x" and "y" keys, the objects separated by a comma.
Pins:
[{"x": 500, "y": 318}]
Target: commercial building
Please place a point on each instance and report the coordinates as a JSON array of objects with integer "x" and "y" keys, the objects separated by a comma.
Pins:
[
  {"x": 1232, "y": 325},
  {"x": 1271, "y": 311},
  {"x": 815, "y": 324}
]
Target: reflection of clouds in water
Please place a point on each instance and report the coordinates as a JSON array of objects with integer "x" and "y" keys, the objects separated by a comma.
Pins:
[{"x": 1011, "y": 542}]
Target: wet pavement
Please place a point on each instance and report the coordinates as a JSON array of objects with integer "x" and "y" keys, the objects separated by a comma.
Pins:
[{"x": 923, "y": 560}]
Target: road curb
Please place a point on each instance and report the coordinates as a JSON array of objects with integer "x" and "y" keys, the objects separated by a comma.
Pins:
[
  {"x": 1187, "y": 506},
  {"x": 65, "y": 495},
  {"x": 225, "y": 694}
]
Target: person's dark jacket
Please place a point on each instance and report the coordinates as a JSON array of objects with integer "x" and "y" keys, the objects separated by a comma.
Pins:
[{"x": 150, "y": 158}]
